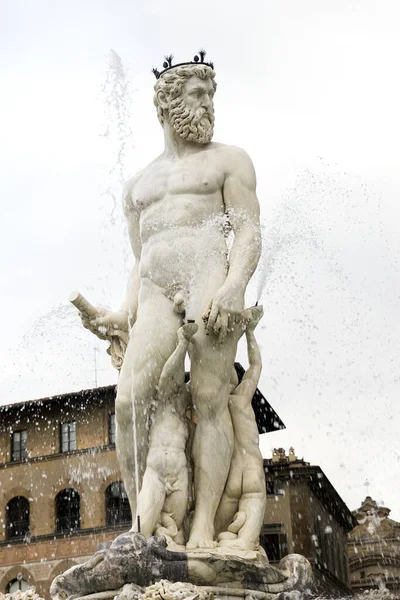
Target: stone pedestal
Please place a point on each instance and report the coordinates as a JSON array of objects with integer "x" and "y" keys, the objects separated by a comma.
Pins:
[{"x": 134, "y": 567}]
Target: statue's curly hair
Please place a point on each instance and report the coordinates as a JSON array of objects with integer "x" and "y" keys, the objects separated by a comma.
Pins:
[{"x": 171, "y": 83}]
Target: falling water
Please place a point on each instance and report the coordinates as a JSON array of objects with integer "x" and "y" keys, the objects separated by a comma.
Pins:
[
  {"x": 299, "y": 221},
  {"x": 118, "y": 102},
  {"x": 117, "y": 112}
]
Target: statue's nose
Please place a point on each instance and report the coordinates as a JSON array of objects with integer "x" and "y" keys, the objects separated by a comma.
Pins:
[{"x": 206, "y": 101}]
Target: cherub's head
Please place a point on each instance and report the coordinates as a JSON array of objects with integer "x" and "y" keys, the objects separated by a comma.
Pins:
[{"x": 184, "y": 98}]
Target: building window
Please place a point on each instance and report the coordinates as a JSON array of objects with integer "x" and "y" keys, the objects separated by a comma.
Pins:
[
  {"x": 68, "y": 437},
  {"x": 16, "y": 585},
  {"x": 111, "y": 429},
  {"x": 270, "y": 487},
  {"x": 118, "y": 510},
  {"x": 17, "y": 518},
  {"x": 18, "y": 445},
  {"x": 362, "y": 574},
  {"x": 67, "y": 511},
  {"x": 274, "y": 544}
]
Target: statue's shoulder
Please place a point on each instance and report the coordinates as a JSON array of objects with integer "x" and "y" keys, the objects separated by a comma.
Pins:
[
  {"x": 231, "y": 152},
  {"x": 234, "y": 159}
]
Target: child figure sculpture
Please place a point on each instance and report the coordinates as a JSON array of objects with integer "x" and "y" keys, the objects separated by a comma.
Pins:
[
  {"x": 163, "y": 499},
  {"x": 245, "y": 489}
]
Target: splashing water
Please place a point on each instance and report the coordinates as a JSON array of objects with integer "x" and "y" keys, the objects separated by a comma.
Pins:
[
  {"x": 307, "y": 216},
  {"x": 117, "y": 109},
  {"x": 118, "y": 102},
  {"x": 118, "y": 145}
]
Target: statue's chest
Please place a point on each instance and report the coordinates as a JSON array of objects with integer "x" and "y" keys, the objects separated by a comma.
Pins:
[{"x": 196, "y": 176}]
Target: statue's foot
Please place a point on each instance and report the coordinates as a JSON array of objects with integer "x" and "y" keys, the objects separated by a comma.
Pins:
[
  {"x": 187, "y": 331},
  {"x": 238, "y": 522},
  {"x": 200, "y": 540},
  {"x": 239, "y": 543}
]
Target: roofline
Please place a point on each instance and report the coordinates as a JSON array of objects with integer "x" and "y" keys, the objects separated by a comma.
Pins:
[{"x": 49, "y": 399}]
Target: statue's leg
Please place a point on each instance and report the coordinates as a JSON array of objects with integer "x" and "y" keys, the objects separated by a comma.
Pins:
[
  {"x": 211, "y": 367},
  {"x": 152, "y": 341},
  {"x": 151, "y": 502},
  {"x": 229, "y": 504}
]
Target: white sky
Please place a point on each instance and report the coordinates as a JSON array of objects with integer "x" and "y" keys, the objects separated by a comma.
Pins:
[{"x": 311, "y": 90}]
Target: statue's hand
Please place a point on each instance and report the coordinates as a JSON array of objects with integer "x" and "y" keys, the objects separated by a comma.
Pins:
[
  {"x": 224, "y": 312},
  {"x": 107, "y": 323}
]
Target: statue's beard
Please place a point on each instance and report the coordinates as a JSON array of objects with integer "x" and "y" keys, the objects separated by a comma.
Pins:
[{"x": 192, "y": 125}]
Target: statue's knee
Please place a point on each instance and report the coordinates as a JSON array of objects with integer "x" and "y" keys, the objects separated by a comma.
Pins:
[{"x": 208, "y": 403}]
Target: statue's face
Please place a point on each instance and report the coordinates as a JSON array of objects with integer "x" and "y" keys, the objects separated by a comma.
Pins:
[
  {"x": 199, "y": 93},
  {"x": 192, "y": 114}
]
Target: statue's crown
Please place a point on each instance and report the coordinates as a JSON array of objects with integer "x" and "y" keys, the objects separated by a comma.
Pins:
[{"x": 198, "y": 59}]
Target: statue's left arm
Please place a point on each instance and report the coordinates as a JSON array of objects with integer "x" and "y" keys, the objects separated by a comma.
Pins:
[{"x": 243, "y": 211}]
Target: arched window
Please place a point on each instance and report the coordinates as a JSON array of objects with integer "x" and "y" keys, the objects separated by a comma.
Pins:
[
  {"x": 118, "y": 510},
  {"x": 17, "y": 584},
  {"x": 17, "y": 518},
  {"x": 67, "y": 511}
]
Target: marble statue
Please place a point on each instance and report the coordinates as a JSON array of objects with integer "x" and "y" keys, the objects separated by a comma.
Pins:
[
  {"x": 180, "y": 210},
  {"x": 188, "y": 450}
]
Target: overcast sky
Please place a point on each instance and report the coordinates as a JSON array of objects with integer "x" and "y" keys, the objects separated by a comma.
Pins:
[{"x": 311, "y": 90}]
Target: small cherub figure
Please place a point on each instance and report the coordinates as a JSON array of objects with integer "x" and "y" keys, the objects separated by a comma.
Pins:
[
  {"x": 163, "y": 499},
  {"x": 241, "y": 511}
]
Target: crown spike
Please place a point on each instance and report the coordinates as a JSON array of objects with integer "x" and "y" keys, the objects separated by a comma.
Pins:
[{"x": 167, "y": 64}]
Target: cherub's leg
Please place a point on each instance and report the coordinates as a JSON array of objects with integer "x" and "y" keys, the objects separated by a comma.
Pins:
[
  {"x": 176, "y": 503},
  {"x": 166, "y": 527},
  {"x": 253, "y": 498},
  {"x": 151, "y": 501}
]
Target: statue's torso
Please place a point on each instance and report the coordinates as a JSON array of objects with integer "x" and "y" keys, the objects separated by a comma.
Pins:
[{"x": 182, "y": 215}]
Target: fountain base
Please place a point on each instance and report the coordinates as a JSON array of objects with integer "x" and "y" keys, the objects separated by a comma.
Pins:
[{"x": 134, "y": 567}]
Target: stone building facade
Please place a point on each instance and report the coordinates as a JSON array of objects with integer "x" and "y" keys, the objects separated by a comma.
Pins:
[
  {"x": 306, "y": 515},
  {"x": 374, "y": 549},
  {"x": 60, "y": 490}
]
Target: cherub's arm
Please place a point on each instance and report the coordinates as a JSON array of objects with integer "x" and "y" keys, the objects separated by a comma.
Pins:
[
  {"x": 173, "y": 374},
  {"x": 248, "y": 385}
]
